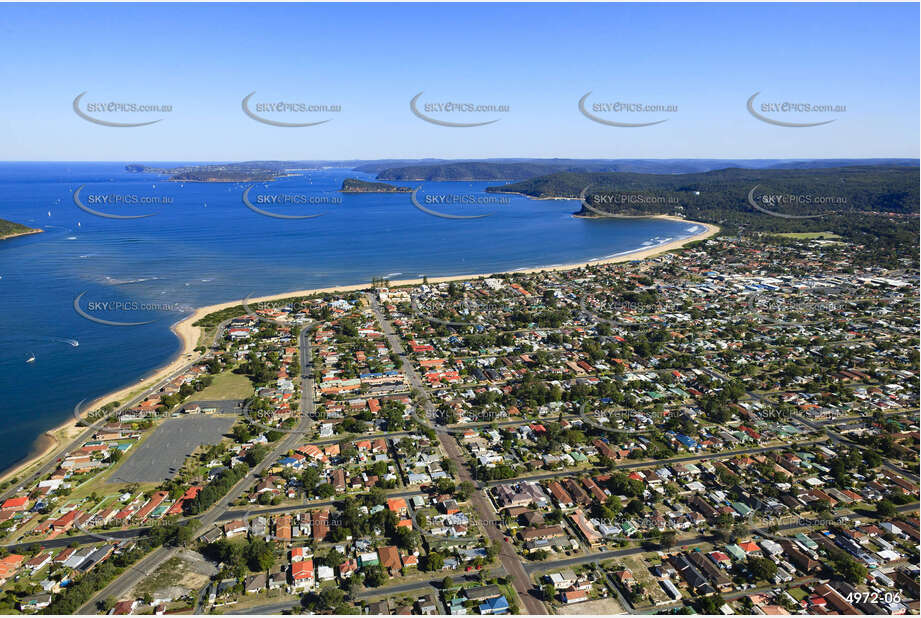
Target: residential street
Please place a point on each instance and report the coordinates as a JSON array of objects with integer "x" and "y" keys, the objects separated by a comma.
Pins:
[{"x": 507, "y": 555}]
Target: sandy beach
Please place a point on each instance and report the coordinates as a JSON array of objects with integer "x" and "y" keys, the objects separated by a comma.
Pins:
[{"x": 189, "y": 335}]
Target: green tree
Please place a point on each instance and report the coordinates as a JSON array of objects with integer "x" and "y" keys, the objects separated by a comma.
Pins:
[
  {"x": 375, "y": 577},
  {"x": 331, "y": 597},
  {"x": 885, "y": 509},
  {"x": 433, "y": 561},
  {"x": 710, "y": 605},
  {"x": 260, "y": 555},
  {"x": 762, "y": 568}
]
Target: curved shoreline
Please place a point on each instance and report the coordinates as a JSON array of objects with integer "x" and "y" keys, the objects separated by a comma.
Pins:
[
  {"x": 18, "y": 234},
  {"x": 188, "y": 334}
]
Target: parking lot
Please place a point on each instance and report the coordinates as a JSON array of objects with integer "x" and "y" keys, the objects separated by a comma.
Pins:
[{"x": 161, "y": 455}]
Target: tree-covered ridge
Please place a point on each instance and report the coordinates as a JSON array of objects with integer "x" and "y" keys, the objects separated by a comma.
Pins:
[
  {"x": 881, "y": 189},
  {"x": 487, "y": 169},
  {"x": 521, "y": 169},
  {"x": 860, "y": 202},
  {"x": 8, "y": 229},
  {"x": 467, "y": 171},
  {"x": 354, "y": 185}
]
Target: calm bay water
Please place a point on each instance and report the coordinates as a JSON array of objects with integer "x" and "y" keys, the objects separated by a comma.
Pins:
[{"x": 207, "y": 247}]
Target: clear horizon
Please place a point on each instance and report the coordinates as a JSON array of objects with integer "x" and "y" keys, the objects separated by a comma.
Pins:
[
  {"x": 697, "y": 64},
  {"x": 465, "y": 159}
]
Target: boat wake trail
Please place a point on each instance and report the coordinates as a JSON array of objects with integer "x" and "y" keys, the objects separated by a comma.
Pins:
[{"x": 44, "y": 338}]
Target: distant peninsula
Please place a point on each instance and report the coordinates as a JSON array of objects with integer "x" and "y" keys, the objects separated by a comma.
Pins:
[
  {"x": 512, "y": 170},
  {"x": 354, "y": 185},
  {"x": 491, "y": 170},
  {"x": 8, "y": 229},
  {"x": 256, "y": 171}
]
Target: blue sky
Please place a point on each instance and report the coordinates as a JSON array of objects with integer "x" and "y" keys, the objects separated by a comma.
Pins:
[{"x": 538, "y": 59}]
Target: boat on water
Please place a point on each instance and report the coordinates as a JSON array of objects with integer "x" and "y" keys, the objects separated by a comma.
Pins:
[{"x": 31, "y": 358}]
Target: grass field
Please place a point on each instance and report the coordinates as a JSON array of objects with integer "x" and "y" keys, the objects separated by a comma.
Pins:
[
  {"x": 226, "y": 385},
  {"x": 808, "y": 235},
  {"x": 798, "y": 593}
]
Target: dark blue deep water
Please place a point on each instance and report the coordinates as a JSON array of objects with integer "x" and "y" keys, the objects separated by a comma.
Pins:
[{"x": 206, "y": 247}]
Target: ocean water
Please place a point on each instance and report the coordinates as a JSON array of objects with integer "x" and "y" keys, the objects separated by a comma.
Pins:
[{"x": 207, "y": 247}]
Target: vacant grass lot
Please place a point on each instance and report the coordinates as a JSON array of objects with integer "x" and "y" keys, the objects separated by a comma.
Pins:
[
  {"x": 609, "y": 606},
  {"x": 182, "y": 574},
  {"x": 226, "y": 385}
]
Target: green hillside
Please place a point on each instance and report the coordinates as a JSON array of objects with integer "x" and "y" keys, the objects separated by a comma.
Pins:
[{"x": 8, "y": 229}]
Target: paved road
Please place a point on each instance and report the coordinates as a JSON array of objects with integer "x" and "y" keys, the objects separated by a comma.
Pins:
[
  {"x": 124, "y": 583},
  {"x": 229, "y": 515},
  {"x": 82, "y": 539},
  {"x": 542, "y": 567},
  {"x": 841, "y": 439},
  {"x": 238, "y": 513},
  {"x": 489, "y": 519},
  {"x": 272, "y": 608},
  {"x": 430, "y": 585},
  {"x": 650, "y": 464}
]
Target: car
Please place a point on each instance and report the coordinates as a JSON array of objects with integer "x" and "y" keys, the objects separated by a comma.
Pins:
[{"x": 508, "y": 540}]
